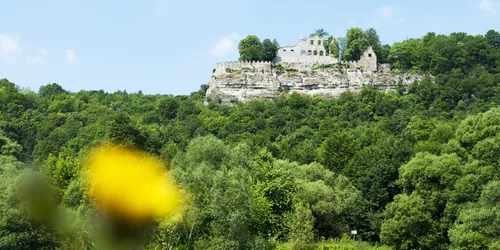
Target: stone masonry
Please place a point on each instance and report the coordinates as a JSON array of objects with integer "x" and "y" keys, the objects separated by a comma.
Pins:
[{"x": 310, "y": 50}]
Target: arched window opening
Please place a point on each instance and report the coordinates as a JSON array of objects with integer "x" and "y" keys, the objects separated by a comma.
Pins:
[
  {"x": 292, "y": 53},
  {"x": 303, "y": 53},
  {"x": 369, "y": 55},
  {"x": 319, "y": 42},
  {"x": 315, "y": 52},
  {"x": 309, "y": 53},
  {"x": 283, "y": 53},
  {"x": 321, "y": 53}
]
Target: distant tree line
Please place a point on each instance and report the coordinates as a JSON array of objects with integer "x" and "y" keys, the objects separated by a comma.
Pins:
[{"x": 432, "y": 53}]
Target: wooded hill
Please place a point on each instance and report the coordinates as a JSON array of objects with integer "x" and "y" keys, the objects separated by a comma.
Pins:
[{"x": 415, "y": 168}]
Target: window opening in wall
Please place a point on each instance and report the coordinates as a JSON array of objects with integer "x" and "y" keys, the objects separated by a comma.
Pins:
[
  {"x": 309, "y": 53},
  {"x": 319, "y": 42},
  {"x": 312, "y": 42},
  {"x": 283, "y": 53},
  {"x": 315, "y": 52},
  {"x": 303, "y": 53},
  {"x": 369, "y": 55},
  {"x": 292, "y": 52},
  {"x": 321, "y": 53}
]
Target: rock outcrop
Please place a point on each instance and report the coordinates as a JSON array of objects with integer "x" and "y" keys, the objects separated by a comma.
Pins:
[{"x": 246, "y": 81}]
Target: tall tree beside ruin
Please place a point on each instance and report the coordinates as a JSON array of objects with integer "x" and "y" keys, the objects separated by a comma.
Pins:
[
  {"x": 269, "y": 49},
  {"x": 342, "y": 47},
  {"x": 404, "y": 55},
  {"x": 374, "y": 40},
  {"x": 250, "y": 49},
  {"x": 332, "y": 46},
  {"x": 320, "y": 32},
  {"x": 383, "y": 57},
  {"x": 356, "y": 44},
  {"x": 372, "y": 37}
]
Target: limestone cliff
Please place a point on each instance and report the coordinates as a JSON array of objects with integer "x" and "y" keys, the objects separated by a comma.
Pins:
[{"x": 244, "y": 81}]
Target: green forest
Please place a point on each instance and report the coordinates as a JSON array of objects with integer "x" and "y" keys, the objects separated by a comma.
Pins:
[{"x": 413, "y": 168}]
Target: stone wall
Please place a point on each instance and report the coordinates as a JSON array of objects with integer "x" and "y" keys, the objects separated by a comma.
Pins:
[
  {"x": 309, "y": 50},
  {"x": 228, "y": 67},
  {"x": 368, "y": 61},
  {"x": 384, "y": 68},
  {"x": 314, "y": 53}
]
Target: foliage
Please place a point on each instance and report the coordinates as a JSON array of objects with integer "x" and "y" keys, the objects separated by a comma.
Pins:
[
  {"x": 493, "y": 38},
  {"x": 269, "y": 49},
  {"x": 342, "y": 41},
  {"x": 319, "y": 33},
  {"x": 409, "y": 223},
  {"x": 374, "y": 40},
  {"x": 339, "y": 66},
  {"x": 438, "y": 54},
  {"x": 251, "y": 49},
  {"x": 344, "y": 243},
  {"x": 477, "y": 225},
  {"x": 415, "y": 168},
  {"x": 333, "y": 47},
  {"x": 281, "y": 68},
  {"x": 336, "y": 151},
  {"x": 356, "y": 43},
  {"x": 17, "y": 230}
]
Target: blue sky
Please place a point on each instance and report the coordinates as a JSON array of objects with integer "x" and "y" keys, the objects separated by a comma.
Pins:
[{"x": 171, "y": 46}]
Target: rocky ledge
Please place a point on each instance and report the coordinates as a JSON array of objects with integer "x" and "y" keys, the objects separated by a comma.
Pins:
[{"x": 248, "y": 84}]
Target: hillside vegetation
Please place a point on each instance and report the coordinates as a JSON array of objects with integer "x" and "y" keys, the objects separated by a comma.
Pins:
[{"x": 416, "y": 168}]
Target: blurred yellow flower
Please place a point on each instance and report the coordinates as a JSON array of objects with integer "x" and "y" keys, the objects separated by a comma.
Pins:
[{"x": 131, "y": 185}]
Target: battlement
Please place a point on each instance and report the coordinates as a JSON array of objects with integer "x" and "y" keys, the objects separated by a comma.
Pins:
[
  {"x": 221, "y": 67},
  {"x": 301, "y": 66},
  {"x": 245, "y": 63}
]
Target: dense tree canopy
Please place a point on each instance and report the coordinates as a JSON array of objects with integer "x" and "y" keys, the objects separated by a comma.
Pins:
[
  {"x": 415, "y": 168},
  {"x": 251, "y": 49},
  {"x": 356, "y": 44},
  {"x": 269, "y": 49}
]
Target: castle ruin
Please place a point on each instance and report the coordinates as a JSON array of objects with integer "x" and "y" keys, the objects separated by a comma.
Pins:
[
  {"x": 312, "y": 50},
  {"x": 306, "y": 68}
]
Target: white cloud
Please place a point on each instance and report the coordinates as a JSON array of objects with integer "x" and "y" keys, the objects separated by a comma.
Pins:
[
  {"x": 227, "y": 44},
  {"x": 9, "y": 48},
  {"x": 487, "y": 6},
  {"x": 41, "y": 58},
  {"x": 387, "y": 14},
  {"x": 9, "y": 44},
  {"x": 385, "y": 11},
  {"x": 71, "y": 56}
]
